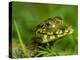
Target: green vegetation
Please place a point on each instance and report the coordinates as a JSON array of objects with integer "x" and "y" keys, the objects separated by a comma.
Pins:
[{"x": 25, "y": 18}]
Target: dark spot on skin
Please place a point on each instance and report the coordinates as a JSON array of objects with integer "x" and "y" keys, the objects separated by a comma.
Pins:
[
  {"x": 41, "y": 25},
  {"x": 47, "y": 24},
  {"x": 38, "y": 31}
]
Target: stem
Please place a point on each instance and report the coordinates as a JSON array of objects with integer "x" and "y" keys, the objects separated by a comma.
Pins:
[{"x": 25, "y": 51}]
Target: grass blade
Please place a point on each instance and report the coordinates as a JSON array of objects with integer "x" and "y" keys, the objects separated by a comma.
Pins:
[{"x": 20, "y": 40}]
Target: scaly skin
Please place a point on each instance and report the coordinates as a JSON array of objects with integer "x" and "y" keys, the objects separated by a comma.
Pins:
[{"x": 51, "y": 29}]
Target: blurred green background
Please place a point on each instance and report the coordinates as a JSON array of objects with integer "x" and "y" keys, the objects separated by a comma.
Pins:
[{"x": 28, "y": 15}]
